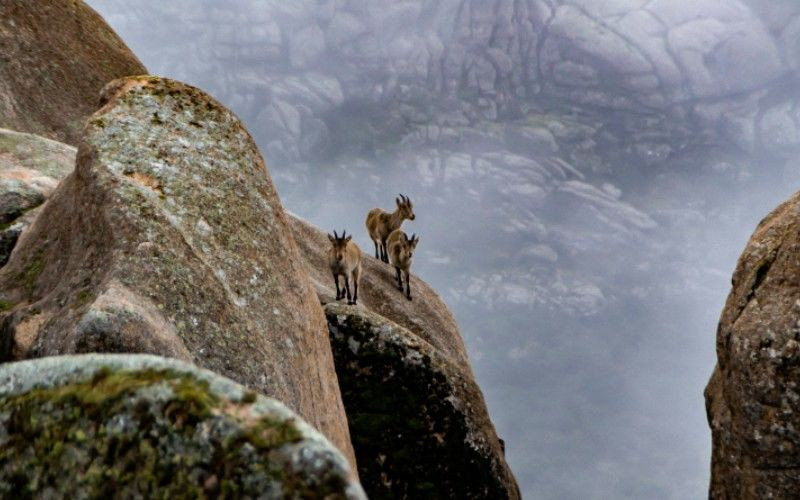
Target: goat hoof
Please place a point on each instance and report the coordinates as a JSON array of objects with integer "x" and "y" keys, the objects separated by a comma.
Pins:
[
  {"x": 350, "y": 303},
  {"x": 408, "y": 297}
]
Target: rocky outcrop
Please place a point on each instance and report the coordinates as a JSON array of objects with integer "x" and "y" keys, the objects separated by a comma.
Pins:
[
  {"x": 132, "y": 426},
  {"x": 418, "y": 421},
  {"x": 752, "y": 399},
  {"x": 30, "y": 169},
  {"x": 169, "y": 238},
  {"x": 57, "y": 55}
]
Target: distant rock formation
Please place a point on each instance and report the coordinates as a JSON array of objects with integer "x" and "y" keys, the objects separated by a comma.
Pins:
[
  {"x": 169, "y": 238},
  {"x": 753, "y": 398},
  {"x": 57, "y": 55},
  {"x": 417, "y": 418},
  {"x": 101, "y": 426}
]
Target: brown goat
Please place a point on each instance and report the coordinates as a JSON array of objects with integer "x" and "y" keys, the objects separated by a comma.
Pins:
[
  {"x": 344, "y": 258},
  {"x": 401, "y": 252},
  {"x": 380, "y": 224}
]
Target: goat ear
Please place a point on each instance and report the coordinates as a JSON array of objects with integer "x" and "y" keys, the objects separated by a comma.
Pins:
[
  {"x": 331, "y": 238},
  {"x": 348, "y": 238},
  {"x": 414, "y": 240}
]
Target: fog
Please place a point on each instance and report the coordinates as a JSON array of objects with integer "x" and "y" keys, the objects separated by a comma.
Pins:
[{"x": 585, "y": 174}]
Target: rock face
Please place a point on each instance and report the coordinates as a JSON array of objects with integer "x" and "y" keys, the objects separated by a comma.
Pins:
[
  {"x": 753, "y": 398},
  {"x": 30, "y": 169},
  {"x": 418, "y": 420},
  {"x": 137, "y": 426},
  {"x": 57, "y": 55},
  {"x": 169, "y": 238}
]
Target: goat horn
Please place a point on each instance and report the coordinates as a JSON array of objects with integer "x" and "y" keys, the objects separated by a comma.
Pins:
[
  {"x": 335, "y": 235},
  {"x": 344, "y": 233}
]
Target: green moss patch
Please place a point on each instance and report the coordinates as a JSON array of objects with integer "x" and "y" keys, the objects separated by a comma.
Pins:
[
  {"x": 30, "y": 274},
  {"x": 82, "y": 298}
]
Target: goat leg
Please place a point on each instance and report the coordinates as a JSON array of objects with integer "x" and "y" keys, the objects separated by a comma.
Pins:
[{"x": 336, "y": 280}]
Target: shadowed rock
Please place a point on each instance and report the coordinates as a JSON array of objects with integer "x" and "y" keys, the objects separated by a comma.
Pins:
[
  {"x": 418, "y": 420},
  {"x": 752, "y": 399},
  {"x": 169, "y": 238},
  {"x": 56, "y": 56},
  {"x": 129, "y": 426}
]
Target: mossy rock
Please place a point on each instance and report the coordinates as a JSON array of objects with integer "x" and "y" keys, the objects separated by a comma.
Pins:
[
  {"x": 169, "y": 238},
  {"x": 418, "y": 422},
  {"x": 97, "y": 426}
]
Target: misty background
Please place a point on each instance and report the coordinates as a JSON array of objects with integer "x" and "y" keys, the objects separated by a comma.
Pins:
[{"x": 584, "y": 172}]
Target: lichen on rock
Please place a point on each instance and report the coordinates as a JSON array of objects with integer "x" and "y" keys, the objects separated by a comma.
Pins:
[
  {"x": 418, "y": 421},
  {"x": 96, "y": 426}
]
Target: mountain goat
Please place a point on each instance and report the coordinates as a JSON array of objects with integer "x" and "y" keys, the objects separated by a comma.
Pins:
[
  {"x": 380, "y": 224},
  {"x": 401, "y": 252},
  {"x": 344, "y": 258}
]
